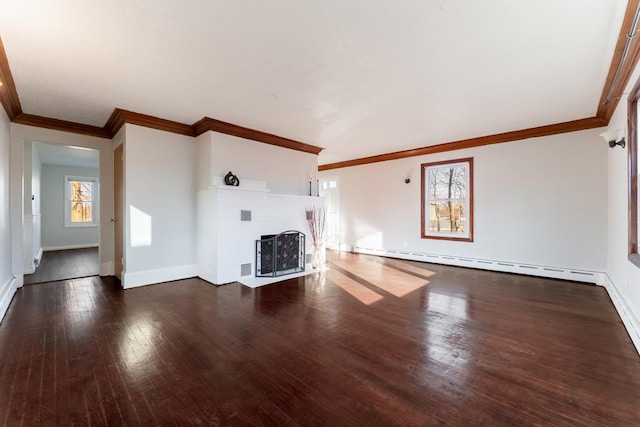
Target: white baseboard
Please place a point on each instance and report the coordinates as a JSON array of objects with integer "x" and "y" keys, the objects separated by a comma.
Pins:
[
  {"x": 493, "y": 265},
  {"x": 343, "y": 247},
  {"x": 629, "y": 317},
  {"x": 150, "y": 277},
  {"x": 107, "y": 269},
  {"x": 67, "y": 247},
  {"x": 7, "y": 292},
  {"x": 34, "y": 265},
  {"x": 38, "y": 257}
]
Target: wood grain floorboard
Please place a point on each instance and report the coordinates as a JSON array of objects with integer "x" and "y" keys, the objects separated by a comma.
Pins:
[
  {"x": 372, "y": 341},
  {"x": 65, "y": 265}
]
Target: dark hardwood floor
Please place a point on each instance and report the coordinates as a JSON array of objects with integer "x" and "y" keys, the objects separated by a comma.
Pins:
[
  {"x": 373, "y": 341},
  {"x": 66, "y": 264}
]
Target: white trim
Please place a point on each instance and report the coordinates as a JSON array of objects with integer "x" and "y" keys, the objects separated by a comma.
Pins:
[
  {"x": 107, "y": 269},
  {"x": 486, "y": 264},
  {"x": 38, "y": 256},
  {"x": 7, "y": 292},
  {"x": 151, "y": 277},
  {"x": 27, "y": 244},
  {"x": 30, "y": 269},
  {"x": 630, "y": 318},
  {"x": 66, "y": 247}
]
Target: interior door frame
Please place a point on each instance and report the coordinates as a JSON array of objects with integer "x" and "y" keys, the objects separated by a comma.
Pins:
[
  {"x": 22, "y": 133},
  {"x": 336, "y": 191},
  {"x": 118, "y": 211}
]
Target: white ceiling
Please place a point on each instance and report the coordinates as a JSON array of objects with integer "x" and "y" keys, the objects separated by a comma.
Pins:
[
  {"x": 358, "y": 77},
  {"x": 64, "y": 155}
]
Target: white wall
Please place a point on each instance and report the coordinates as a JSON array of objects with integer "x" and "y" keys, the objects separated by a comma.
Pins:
[
  {"x": 624, "y": 277},
  {"x": 285, "y": 171},
  {"x": 7, "y": 281},
  {"x": 538, "y": 202},
  {"x": 21, "y": 134},
  {"x": 32, "y": 220},
  {"x": 55, "y": 235},
  {"x": 27, "y": 165},
  {"x": 160, "y": 203},
  {"x": 35, "y": 200},
  {"x": 36, "y": 176}
]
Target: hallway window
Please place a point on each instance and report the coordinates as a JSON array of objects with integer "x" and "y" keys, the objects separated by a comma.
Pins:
[{"x": 80, "y": 201}]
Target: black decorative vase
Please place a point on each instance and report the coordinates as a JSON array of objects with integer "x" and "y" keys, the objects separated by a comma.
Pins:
[{"x": 231, "y": 179}]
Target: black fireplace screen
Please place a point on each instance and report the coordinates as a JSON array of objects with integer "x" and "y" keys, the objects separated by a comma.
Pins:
[{"x": 280, "y": 254}]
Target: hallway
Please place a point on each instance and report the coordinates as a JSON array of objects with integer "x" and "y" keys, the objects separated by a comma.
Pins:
[{"x": 64, "y": 265}]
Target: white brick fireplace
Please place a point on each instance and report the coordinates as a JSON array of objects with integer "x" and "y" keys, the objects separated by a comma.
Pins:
[
  {"x": 226, "y": 242},
  {"x": 273, "y": 191}
]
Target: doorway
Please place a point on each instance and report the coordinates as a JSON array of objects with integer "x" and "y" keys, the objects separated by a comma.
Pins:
[
  {"x": 330, "y": 190},
  {"x": 118, "y": 203},
  {"x": 61, "y": 212}
]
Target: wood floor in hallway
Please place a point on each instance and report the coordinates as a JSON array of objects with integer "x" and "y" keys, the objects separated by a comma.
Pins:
[
  {"x": 371, "y": 341},
  {"x": 64, "y": 265}
]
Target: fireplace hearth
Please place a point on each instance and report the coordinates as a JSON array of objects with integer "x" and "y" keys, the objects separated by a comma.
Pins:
[{"x": 280, "y": 254}]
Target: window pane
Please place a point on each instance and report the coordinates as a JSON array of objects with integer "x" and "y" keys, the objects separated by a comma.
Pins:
[
  {"x": 448, "y": 183},
  {"x": 81, "y": 190},
  {"x": 447, "y": 216},
  {"x": 81, "y": 212}
]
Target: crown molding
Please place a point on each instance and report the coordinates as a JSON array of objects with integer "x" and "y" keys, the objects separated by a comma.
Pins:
[
  {"x": 61, "y": 125},
  {"x": 572, "y": 126},
  {"x": 208, "y": 124},
  {"x": 119, "y": 117},
  {"x": 615, "y": 84},
  {"x": 11, "y": 104},
  {"x": 8, "y": 92}
]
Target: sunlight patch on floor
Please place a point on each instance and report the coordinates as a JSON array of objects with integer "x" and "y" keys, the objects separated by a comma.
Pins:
[
  {"x": 405, "y": 266},
  {"x": 355, "y": 289},
  {"x": 386, "y": 278}
]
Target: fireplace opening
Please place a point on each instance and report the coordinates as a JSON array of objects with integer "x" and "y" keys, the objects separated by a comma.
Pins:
[{"x": 280, "y": 254}]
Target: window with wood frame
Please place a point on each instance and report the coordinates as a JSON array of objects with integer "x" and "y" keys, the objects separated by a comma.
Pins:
[{"x": 447, "y": 200}]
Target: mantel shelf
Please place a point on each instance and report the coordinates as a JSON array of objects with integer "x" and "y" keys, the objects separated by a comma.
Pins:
[
  {"x": 233, "y": 188},
  {"x": 262, "y": 190}
]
